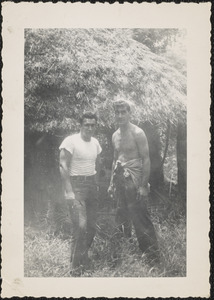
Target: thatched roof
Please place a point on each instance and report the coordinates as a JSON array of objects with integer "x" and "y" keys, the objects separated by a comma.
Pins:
[{"x": 73, "y": 69}]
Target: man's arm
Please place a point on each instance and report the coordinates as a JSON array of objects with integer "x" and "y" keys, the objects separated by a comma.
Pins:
[
  {"x": 143, "y": 149},
  {"x": 98, "y": 168},
  {"x": 64, "y": 162},
  {"x": 113, "y": 165}
]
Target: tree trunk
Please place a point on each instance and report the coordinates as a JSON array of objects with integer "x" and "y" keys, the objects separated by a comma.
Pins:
[
  {"x": 42, "y": 185},
  {"x": 156, "y": 175},
  {"x": 182, "y": 159}
]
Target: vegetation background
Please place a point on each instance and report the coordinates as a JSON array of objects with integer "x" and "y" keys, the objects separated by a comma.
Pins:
[{"x": 68, "y": 71}]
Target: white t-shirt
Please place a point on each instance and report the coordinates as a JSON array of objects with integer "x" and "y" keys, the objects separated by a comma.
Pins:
[{"x": 84, "y": 154}]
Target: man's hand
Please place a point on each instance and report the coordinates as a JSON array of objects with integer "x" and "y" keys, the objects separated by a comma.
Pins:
[
  {"x": 142, "y": 193},
  {"x": 111, "y": 191},
  {"x": 69, "y": 196}
]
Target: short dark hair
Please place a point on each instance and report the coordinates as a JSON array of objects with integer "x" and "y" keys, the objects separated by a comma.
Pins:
[
  {"x": 88, "y": 115},
  {"x": 123, "y": 103}
]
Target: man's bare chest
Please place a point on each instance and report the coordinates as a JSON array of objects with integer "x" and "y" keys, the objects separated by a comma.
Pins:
[{"x": 125, "y": 143}]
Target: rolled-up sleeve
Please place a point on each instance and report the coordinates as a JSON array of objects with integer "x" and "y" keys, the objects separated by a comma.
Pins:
[
  {"x": 67, "y": 144},
  {"x": 99, "y": 148}
]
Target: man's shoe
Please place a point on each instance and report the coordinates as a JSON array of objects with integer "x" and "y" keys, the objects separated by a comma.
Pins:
[{"x": 77, "y": 272}]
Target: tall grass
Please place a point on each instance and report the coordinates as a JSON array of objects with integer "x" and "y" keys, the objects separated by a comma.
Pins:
[{"x": 48, "y": 254}]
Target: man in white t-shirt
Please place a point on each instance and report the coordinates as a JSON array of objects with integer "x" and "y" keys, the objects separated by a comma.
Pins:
[{"x": 79, "y": 156}]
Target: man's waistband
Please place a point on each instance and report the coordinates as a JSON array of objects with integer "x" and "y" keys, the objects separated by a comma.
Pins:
[{"x": 83, "y": 178}]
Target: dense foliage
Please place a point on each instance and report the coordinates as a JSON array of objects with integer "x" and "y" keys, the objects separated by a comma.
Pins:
[
  {"x": 68, "y": 70},
  {"x": 155, "y": 39}
]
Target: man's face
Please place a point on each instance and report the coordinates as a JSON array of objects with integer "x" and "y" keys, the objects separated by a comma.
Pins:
[
  {"x": 122, "y": 115},
  {"x": 88, "y": 128}
]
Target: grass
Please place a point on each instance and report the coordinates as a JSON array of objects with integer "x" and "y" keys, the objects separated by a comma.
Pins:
[{"x": 48, "y": 254}]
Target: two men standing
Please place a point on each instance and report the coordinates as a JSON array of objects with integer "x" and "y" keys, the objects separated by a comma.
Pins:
[{"x": 129, "y": 183}]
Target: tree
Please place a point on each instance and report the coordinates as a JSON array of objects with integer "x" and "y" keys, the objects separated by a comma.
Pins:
[
  {"x": 181, "y": 159},
  {"x": 157, "y": 40}
]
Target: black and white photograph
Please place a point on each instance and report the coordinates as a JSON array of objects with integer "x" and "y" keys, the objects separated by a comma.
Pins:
[{"x": 106, "y": 150}]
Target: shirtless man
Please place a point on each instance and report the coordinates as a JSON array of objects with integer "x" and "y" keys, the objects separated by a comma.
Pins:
[{"x": 129, "y": 180}]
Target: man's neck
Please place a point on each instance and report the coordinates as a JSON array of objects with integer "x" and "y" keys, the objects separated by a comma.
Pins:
[
  {"x": 85, "y": 138},
  {"x": 125, "y": 127}
]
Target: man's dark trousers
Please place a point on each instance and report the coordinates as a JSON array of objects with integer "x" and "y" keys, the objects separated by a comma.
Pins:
[
  {"x": 131, "y": 209},
  {"x": 83, "y": 211}
]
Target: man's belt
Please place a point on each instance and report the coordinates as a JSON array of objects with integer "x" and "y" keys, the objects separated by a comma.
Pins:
[{"x": 83, "y": 178}]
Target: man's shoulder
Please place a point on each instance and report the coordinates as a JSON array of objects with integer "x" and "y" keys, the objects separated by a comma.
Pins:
[
  {"x": 71, "y": 137},
  {"x": 94, "y": 140},
  {"x": 137, "y": 131},
  {"x": 116, "y": 132}
]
